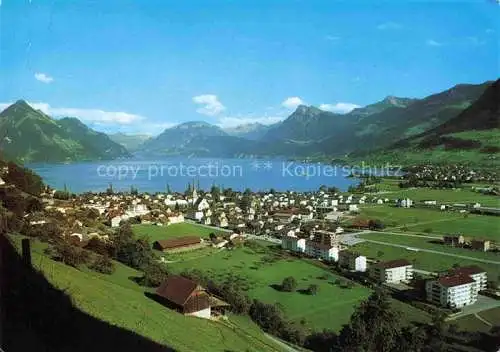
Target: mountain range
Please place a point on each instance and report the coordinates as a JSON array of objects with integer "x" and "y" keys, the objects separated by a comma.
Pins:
[
  {"x": 29, "y": 135},
  {"x": 392, "y": 124},
  {"x": 132, "y": 142}
]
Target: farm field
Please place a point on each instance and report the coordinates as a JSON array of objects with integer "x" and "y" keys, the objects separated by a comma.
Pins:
[
  {"x": 257, "y": 269},
  {"x": 442, "y": 196},
  {"x": 395, "y": 217},
  {"x": 427, "y": 243},
  {"x": 421, "y": 260},
  {"x": 481, "y": 226},
  {"x": 156, "y": 233},
  {"x": 119, "y": 301}
]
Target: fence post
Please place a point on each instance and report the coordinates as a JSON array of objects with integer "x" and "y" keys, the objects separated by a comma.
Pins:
[{"x": 26, "y": 246}]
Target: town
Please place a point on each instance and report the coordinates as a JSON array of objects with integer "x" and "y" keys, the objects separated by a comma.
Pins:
[{"x": 434, "y": 250}]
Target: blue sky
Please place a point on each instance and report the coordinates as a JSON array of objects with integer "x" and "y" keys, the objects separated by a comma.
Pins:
[{"x": 141, "y": 66}]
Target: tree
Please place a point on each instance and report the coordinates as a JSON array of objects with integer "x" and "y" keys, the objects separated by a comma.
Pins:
[
  {"x": 374, "y": 326},
  {"x": 244, "y": 203},
  {"x": 375, "y": 224},
  {"x": 289, "y": 284},
  {"x": 103, "y": 264},
  {"x": 24, "y": 179},
  {"x": 62, "y": 195},
  {"x": 313, "y": 289},
  {"x": 134, "y": 191},
  {"x": 68, "y": 254},
  {"x": 154, "y": 274},
  {"x": 380, "y": 254},
  {"x": 215, "y": 192},
  {"x": 34, "y": 205}
]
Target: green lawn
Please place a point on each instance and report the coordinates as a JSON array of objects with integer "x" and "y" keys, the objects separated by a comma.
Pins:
[
  {"x": 427, "y": 243},
  {"x": 471, "y": 324},
  {"x": 421, "y": 260},
  {"x": 329, "y": 309},
  {"x": 491, "y": 315},
  {"x": 119, "y": 301},
  {"x": 175, "y": 230}
]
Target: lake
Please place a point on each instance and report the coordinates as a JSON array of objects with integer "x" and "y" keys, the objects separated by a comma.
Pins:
[{"x": 177, "y": 172}]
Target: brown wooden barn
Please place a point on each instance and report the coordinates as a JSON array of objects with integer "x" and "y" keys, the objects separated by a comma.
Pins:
[
  {"x": 177, "y": 243},
  {"x": 185, "y": 296}
]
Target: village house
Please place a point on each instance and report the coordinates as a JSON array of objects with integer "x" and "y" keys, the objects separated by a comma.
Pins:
[
  {"x": 394, "y": 271},
  {"x": 352, "y": 260},
  {"x": 454, "y": 240},
  {"x": 480, "y": 245},
  {"x": 452, "y": 291},
  {"x": 185, "y": 296}
]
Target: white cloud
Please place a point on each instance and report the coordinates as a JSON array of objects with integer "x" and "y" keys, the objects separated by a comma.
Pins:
[
  {"x": 388, "y": 26},
  {"x": 475, "y": 40},
  {"x": 292, "y": 102},
  {"x": 227, "y": 121},
  {"x": 42, "y": 77},
  {"x": 332, "y": 37},
  {"x": 86, "y": 115},
  {"x": 432, "y": 42},
  {"x": 211, "y": 104},
  {"x": 341, "y": 108}
]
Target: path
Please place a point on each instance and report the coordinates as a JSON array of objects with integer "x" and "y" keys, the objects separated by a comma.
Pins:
[
  {"x": 215, "y": 228},
  {"x": 424, "y": 223},
  {"x": 482, "y": 319}
]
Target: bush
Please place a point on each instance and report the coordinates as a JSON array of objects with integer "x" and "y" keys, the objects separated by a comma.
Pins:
[
  {"x": 62, "y": 195},
  {"x": 154, "y": 274},
  {"x": 103, "y": 264},
  {"x": 289, "y": 284},
  {"x": 313, "y": 289},
  {"x": 375, "y": 224},
  {"x": 69, "y": 255}
]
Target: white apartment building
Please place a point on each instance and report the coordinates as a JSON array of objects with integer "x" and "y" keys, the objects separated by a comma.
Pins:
[
  {"x": 452, "y": 291},
  {"x": 352, "y": 261},
  {"x": 293, "y": 243},
  {"x": 394, "y": 271},
  {"x": 322, "y": 250},
  {"x": 476, "y": 273}
]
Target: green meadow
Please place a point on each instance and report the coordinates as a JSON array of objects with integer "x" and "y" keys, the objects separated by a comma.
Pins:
[
  {"x": 155, "y": 233},
  {"x": 258, "y": 269}
]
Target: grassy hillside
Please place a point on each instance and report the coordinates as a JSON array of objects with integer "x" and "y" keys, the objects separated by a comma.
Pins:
[{"x": 119, "y": 301}]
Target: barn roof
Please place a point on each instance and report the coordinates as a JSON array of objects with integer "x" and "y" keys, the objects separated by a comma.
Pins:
[
  {"x": 178, "y": 242},
  {"x": 177, "y": 289}
]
